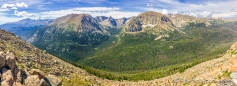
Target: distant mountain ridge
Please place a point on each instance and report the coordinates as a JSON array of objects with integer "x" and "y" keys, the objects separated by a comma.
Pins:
[
  {"x": 111, "y": 22},
  {"x": 25, "y": 26}
]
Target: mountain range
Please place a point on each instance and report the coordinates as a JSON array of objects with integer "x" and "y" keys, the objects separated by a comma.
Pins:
[
  {"x": 146, "y": 47},
  {"x": 25, "y": 26}
]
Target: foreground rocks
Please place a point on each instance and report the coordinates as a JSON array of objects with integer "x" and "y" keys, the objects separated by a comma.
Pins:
[{"x": 11, "y": 75}]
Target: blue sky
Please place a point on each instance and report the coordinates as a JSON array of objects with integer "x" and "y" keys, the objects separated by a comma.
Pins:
[{"x": 15, "y": 10}]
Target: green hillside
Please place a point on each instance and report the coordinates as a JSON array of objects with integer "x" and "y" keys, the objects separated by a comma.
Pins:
[
  {"x": 159, "y": 48},
  {"x": 141, "y": 55}
]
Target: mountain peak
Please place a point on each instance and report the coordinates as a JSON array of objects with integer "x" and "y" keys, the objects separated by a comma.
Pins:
[
  {"x": 148, "y": 19},
  {"x": 77, "y": 21}
]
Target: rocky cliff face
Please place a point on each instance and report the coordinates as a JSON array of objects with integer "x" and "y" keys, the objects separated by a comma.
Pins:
[
  {"x": 121, "y": 22},
  {"x": 149, "y": 21},
  {"x": 107, "y": 21}
]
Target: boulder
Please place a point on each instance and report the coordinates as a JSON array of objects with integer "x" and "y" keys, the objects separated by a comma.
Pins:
[
  {"x": 6, "y": 78},
  {"x": 234, "y": 77},
  {"x": 53, "y": 80},
  {"x": 10, "y": 60},
  {"x": 21, "y": 76},
  {"x": 32, "y": 80},
  {"x": 38, "y": 72},
  {"x": 2, "y": 61}
]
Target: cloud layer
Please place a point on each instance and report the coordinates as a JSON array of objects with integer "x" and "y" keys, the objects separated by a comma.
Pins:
[
  {"x": 41, "y": 9},
  {"x": 6, "y": 7}
]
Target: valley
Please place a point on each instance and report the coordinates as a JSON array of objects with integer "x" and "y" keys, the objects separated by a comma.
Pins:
[{"x": 149, "y": 46}]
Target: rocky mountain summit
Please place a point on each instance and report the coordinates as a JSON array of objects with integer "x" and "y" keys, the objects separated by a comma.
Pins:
[{"x": 149, "y": 21}]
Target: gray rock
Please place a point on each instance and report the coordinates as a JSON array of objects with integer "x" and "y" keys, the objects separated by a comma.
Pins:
[
  {"x": 226, "y": 82},
  {"x": 234, "y": 77},
  {"x": 53, "y": 80}
]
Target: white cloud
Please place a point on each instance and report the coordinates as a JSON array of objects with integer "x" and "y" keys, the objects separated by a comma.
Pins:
[
  {"x": 206, "y": 13},
  {"x": 149, "y": 5},
  {"x": 224, "y": 15},
  {"x": 115, "y": 12},
  {"x": 164, "y": 11},
  {"x": 93, "y": 11},
  {"x": 96, "y": 8},
  {"x": 221, "y": 8},
  {"x": 6, "y": 7},
  {"x": 21, "y": 5},
  {"x": 9, "y": 19},
  {"x": 25, "y": 14}
]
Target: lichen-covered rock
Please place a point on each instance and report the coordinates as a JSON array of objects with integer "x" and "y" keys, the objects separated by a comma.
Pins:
[{"x": 10, "y": 60}]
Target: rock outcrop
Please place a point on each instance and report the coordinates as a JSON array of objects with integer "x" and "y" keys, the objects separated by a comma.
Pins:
[{"x": 11, "y": 75}]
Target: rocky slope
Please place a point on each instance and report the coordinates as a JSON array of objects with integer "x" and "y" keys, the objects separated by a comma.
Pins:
[
  {"x": 106, "y": 21},
  {"x": 121, "y": 22},
  {"x": 32, "y": 66},
  {"x": 12, "y": 75},
  {"x": 150, "y": 20},
  {"x": 111, "y": 22}
]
